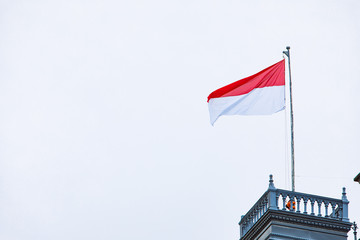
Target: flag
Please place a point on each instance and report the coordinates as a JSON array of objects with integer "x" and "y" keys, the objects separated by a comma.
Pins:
[{"x": 260, "y": 94}]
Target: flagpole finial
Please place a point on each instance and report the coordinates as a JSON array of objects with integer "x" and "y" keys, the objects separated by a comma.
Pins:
[{"x": 287, "y": 52}]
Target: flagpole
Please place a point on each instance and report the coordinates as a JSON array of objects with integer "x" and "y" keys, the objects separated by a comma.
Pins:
[{"x": 287, "y": 53}]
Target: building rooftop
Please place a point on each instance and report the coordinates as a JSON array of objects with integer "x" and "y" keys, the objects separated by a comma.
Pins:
[
  {"x": 295, "y": 215},
  {"x": 357, "y": 178}
]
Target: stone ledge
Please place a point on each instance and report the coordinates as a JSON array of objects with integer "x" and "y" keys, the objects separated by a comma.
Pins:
[{"x": 298, "y": 219}]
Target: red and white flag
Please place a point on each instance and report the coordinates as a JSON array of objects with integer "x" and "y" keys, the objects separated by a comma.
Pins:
[{"x": 260, "y": 94}]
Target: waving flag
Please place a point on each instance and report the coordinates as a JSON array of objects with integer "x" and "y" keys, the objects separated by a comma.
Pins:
[{"x": 260, "y": 94}]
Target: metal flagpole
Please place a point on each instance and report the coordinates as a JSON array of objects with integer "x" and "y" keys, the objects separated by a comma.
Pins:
[{"x": 287, "y": 53}]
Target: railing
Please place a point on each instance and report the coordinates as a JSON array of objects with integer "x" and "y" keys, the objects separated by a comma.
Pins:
[
  {"x": 301, "y": 203},
  {"x": 255, "y": 213}
]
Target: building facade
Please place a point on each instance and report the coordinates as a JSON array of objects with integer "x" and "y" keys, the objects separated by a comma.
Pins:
[{"x": 283, "y": 215}]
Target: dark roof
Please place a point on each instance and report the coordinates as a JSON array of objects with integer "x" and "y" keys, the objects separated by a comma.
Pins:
[{"x": 357, "y": 178}]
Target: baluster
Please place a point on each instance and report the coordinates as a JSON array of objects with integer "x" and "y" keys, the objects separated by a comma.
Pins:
[
  {"x": 292, "y": 203},
  {"x": 319, "y": 207},
  {"x": 242, "y": 226},
  {"x": 333, "y": 205},
  {"x": 305, "y": 205},
  {"x": 277, "y": 200},
  {"x": 326, "y": 204},
  {"x": 338, "y": 211},
  {"x": 298, "y": 204},
  {"x": 312, "y": 201},
  {"x": 284, "y": 201},
  {"x": 266, "y": 204},
  {"x": 261, "y": 208}
]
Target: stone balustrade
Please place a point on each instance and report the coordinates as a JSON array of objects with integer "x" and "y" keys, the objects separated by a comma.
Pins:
[{"x": 298, "y": 203}]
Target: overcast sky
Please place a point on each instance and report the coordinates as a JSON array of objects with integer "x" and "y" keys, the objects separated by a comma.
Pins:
[{"x": 104, "y": 127}]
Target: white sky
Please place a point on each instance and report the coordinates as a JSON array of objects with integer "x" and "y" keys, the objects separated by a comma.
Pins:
[{"x": 104, "y": 128}]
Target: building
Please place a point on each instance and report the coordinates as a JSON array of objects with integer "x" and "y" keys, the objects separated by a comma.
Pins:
[
  {"x": 357, "y": 178},
  {"x": 284, "y": 215}
]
